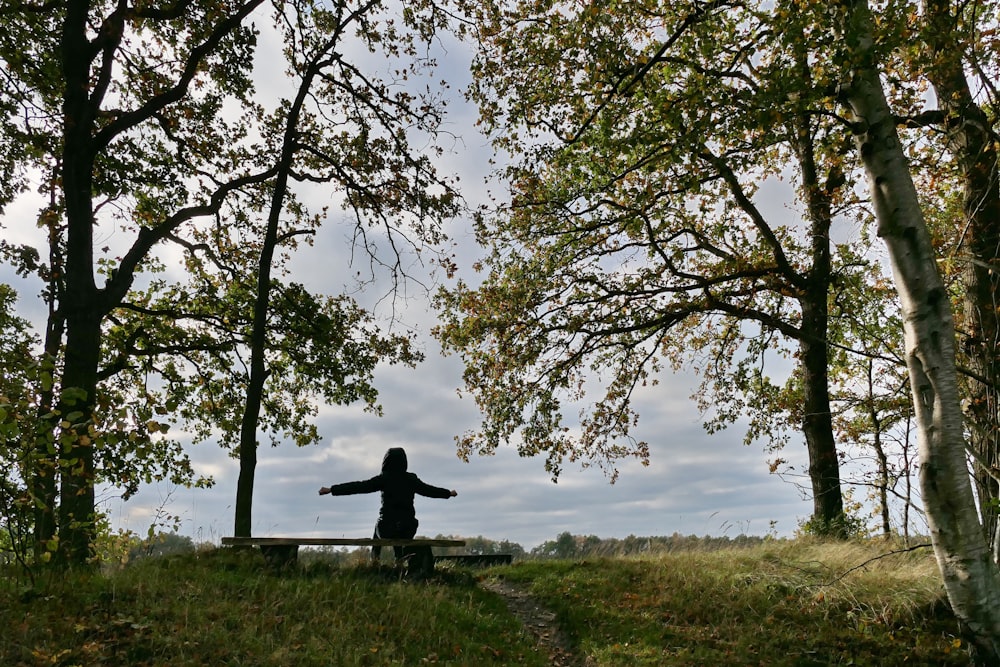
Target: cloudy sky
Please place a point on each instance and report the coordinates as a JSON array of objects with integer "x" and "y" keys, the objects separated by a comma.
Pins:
[{"x": 695, "y": 483}]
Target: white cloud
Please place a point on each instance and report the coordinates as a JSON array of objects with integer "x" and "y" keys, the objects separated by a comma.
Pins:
[{"x": 695, "y": 484}]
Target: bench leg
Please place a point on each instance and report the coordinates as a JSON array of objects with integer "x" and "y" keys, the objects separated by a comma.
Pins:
[
  {"x": 280, "y": 555},
  {"x": 419, "y": 561}
]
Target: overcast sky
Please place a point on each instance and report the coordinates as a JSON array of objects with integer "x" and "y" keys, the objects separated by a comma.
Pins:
[{"x": 695, "y": 483}]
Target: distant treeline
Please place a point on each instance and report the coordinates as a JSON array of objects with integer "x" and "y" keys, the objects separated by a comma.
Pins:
[
  {"x": 567, "y": 545},
  {"x": 564, "y": 546}
]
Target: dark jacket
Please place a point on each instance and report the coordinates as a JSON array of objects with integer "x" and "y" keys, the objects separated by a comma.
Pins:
[{"x": 398, "y": 488}]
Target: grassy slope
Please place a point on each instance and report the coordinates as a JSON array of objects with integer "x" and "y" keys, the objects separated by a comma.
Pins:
[
  {"x": 782, "y": 603},
  {"x": 778, "y": 604},
  {"x": 225, "y": 609}
]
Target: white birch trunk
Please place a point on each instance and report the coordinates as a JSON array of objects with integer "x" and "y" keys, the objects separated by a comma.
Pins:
[{"x": 971, "y": 579}]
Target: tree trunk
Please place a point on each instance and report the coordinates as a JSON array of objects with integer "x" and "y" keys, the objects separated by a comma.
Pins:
[
  {"x": 817, "y": 425},
  {"x": 258, "y": 339},
  {"x": 42, "y": 468},
  {"x": 258, "y": 368},
  {"x": 248, "y": 458},
  {"x": 908, "y": 480},
  {"x": 817, "y": 420},
  {"x": 882, "y": 461},
  {"x": 974, "y": 150},
  {"x": 971, "y": 579},
  {"x": 80, "y": 306},
  {"x": 77, "y": 527}
]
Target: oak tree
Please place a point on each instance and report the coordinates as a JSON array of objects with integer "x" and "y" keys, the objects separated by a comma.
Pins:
[
  {"x": 637, "y": 235},
  {"x": 144, "y": 125}
]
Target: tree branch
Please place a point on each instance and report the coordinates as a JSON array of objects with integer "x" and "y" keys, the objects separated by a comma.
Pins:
[
  {"x": 121, "y": 280},
  {"x": 134, "y": 118},
  {"x": 697, "y": 14},
  {"x": 866, "y": 563}
]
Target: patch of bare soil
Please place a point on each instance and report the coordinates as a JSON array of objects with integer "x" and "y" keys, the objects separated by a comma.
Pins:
[{"x": 540, "y": 622}]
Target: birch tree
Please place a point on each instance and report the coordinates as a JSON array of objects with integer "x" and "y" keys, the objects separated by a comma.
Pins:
[{"x": 970, "y": 576}]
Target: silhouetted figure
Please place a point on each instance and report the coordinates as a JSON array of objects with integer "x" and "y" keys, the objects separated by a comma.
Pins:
[{"x": 397, "y": 519}]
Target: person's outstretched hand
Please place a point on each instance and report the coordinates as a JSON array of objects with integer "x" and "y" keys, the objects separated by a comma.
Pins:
[
  {"x": 453, "y": 493},
  {"x": 324, "y": 490}
]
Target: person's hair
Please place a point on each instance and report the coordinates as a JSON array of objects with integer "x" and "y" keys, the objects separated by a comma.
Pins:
[{"x": 394, "y": 460}]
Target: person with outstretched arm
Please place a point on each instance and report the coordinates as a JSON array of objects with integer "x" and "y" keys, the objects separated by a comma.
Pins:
[{"x": 397, "y": 518}]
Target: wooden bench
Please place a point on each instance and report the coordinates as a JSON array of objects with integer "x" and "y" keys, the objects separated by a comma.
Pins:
[{"x": 284, "y": 550}]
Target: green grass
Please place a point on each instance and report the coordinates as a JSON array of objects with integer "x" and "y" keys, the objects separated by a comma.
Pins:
[
  {"x": 782, "y": 603},
  {"x": 230, "y": 609},
  {"x": 785, "y": 603}
]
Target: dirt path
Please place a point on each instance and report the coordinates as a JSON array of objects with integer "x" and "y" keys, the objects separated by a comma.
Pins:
[{"x": 540, "y": 622}]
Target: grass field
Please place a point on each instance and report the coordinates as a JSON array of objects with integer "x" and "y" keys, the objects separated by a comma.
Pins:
[{"x": 779, "y": 603}]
